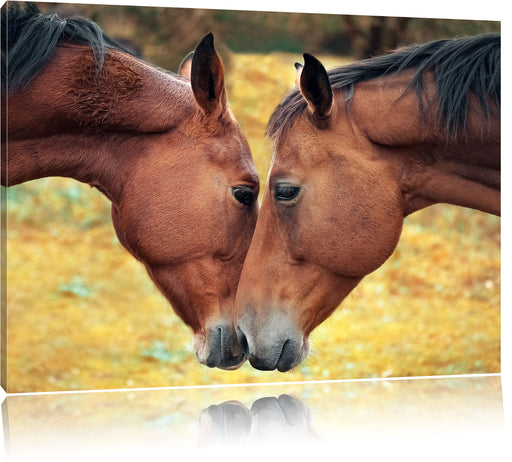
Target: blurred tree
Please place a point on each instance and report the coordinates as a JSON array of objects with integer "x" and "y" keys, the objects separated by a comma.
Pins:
[
  {"x": 165, "y": 35},
  {"x": 371, "y": 36},
  {"x": 380, "y": 35}
]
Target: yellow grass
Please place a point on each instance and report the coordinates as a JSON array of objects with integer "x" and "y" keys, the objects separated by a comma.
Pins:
[{"x": 83, "y": 314}]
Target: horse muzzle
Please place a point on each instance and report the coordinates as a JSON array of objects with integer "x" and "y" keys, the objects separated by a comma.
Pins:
[
  {"x": 219, "y": 347},
  {"x": 275, "y": 343}
]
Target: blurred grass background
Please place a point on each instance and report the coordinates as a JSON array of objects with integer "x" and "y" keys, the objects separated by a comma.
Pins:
[{"x": 83, "y": 314}]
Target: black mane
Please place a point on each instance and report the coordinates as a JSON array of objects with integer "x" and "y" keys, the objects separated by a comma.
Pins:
[
  {"x": 31, "y": 38},
  {"x": 461, "y": 66}
]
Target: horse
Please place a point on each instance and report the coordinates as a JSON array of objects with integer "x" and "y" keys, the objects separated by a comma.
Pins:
[
  {"x": 355, "y": 151},
  {"x": 166, "y": 151}
]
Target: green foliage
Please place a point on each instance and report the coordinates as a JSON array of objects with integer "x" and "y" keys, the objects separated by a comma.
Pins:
[
  {"x": 157, "y": 351},
  {"x": 47, "y": 202},
  {"x": 161, "y": 352},
  {"x": 76, "y": 286}
]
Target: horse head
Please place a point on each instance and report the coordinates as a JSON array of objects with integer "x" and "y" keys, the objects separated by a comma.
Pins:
[
  {"x": 167, "y": 151},
  {"x": 188, "y": 210},
  {"x": 353, "y": 155}
]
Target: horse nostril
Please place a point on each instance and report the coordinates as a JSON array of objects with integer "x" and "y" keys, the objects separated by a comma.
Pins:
[
  {"x": 287, "y": 357},
  {"x": 242, "y": 340}
]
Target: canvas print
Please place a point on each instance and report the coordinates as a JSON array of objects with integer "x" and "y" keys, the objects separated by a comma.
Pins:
[{"x": 195, "y": 197}]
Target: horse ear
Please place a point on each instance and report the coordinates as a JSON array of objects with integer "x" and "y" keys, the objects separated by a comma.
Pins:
[
  {"x": 207, "y": 78},
  {"x": 315, "y": 87},
  {"x": 186, "y": 65}
]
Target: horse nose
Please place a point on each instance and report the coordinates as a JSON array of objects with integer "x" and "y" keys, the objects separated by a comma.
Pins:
[
  {"x": 263, "y": 363},
  {"x": 283, "y": 358},
  {"x": 272, "y": 343},
  {"x": 220, "y": 348}
]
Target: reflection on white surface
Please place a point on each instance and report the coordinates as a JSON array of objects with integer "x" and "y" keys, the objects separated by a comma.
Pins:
[{"x": 450, "y": 417}]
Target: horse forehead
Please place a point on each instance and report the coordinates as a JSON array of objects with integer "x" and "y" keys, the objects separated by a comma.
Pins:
[
  {"x": 194, "y": 151},
  {"x": 227, "y": 144},
  {"x": 304, "y": 146}
]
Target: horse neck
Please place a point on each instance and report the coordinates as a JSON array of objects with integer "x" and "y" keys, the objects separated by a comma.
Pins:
[
  {"x": 86, "y": 158},
  {"x": 429, "y": 165},
  {"x": 465, "y": 174},
  {"x": 70, "y": 122}
]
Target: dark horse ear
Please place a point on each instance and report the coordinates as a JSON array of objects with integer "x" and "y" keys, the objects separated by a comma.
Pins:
[
  {"x": 207, "y": 78},
  {"x": 315, "y": 87}
]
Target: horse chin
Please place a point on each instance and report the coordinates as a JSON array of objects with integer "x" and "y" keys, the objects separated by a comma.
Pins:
[{"x": 218, "y": 347}]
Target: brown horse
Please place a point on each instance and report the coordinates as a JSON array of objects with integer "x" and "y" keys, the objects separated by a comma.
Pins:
[
  {"x": 167, "y": 152},
  {"x": 355, "y": 151}
]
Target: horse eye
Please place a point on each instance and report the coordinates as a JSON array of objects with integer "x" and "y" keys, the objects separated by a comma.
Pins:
[
  {"x": 285, "y": 192},
  {"x": 243, "y": 194}
]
